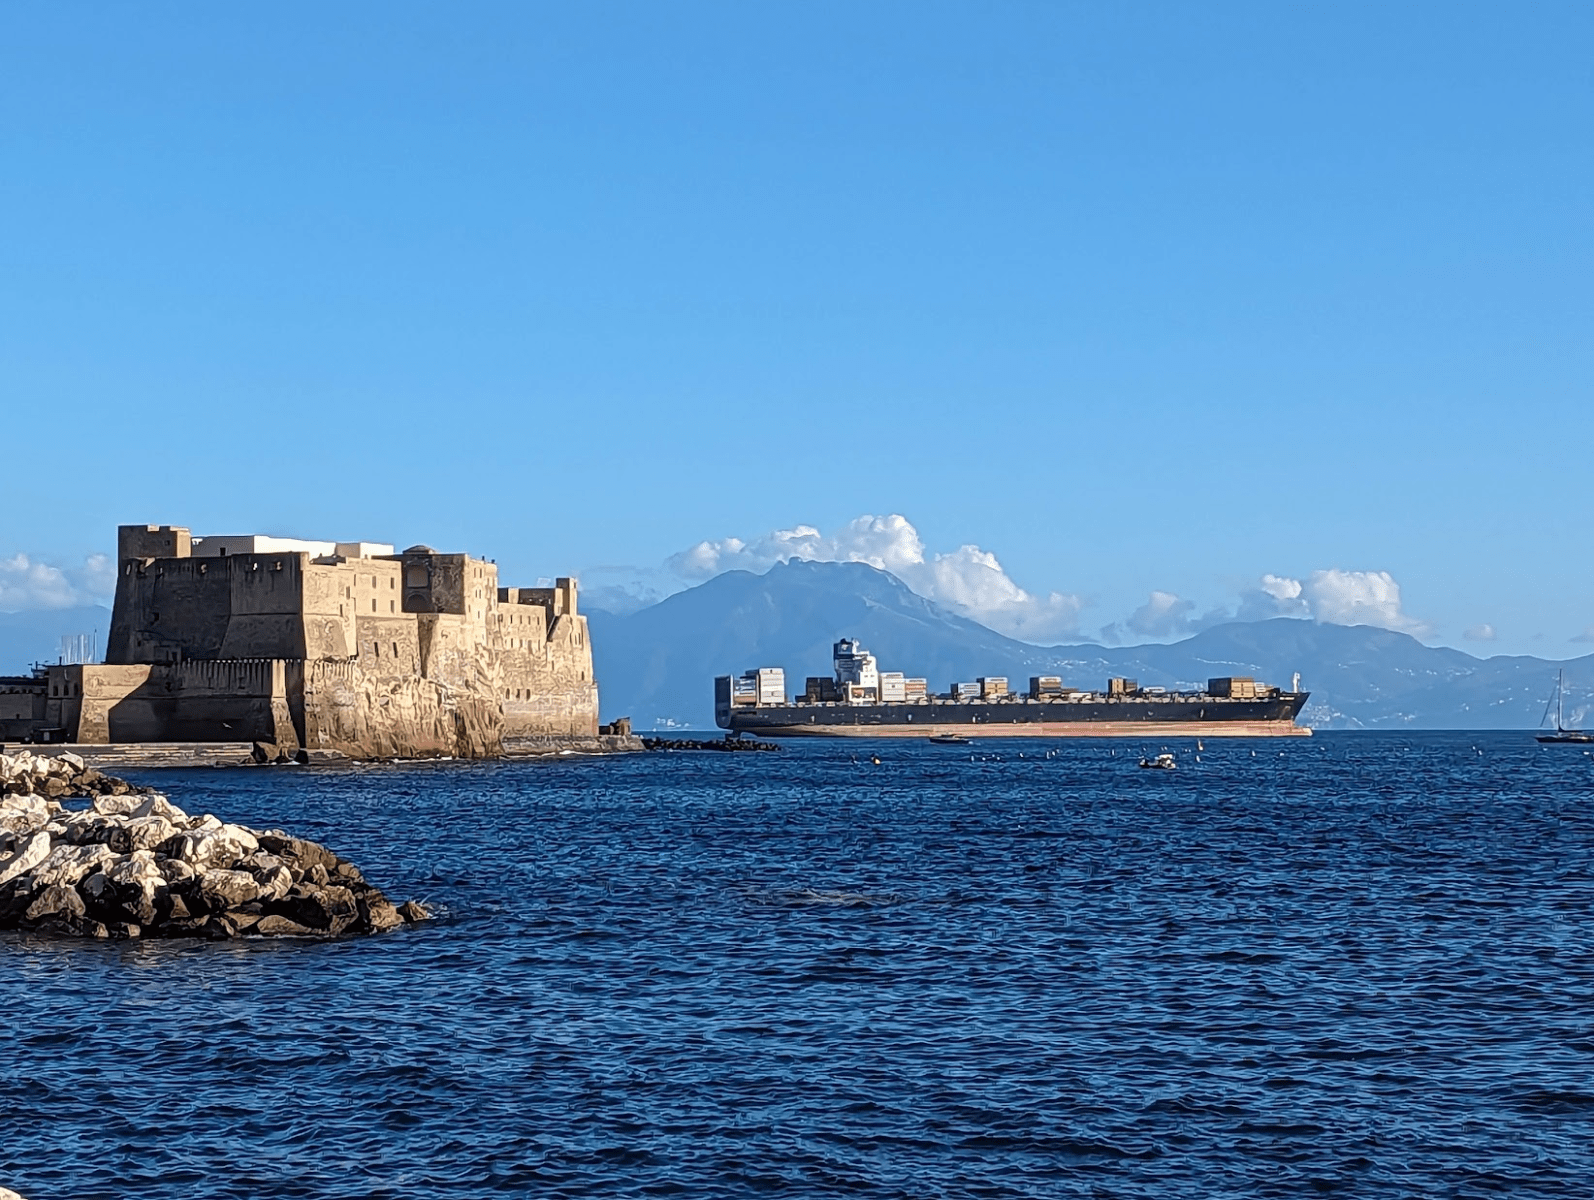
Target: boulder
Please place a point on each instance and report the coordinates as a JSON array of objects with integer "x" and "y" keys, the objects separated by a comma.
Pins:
[
  {"x": 223, "y": 890},
  {"x": 159, "y": 806},
  {"x": 135, "y": 891},
  {"x": 57, "y": 900},
  {"x": 296, "y": 852},
  {"x": 327, "y": 910},
  {"x": 139, "y": 833},
  {"x": 14, "y": 900},
  {"x": 274, "y": 883},
  {"x": 28, "y": 854},
  {"x": 174, "y": 870},
  {"x": 67, "y": 864},
  {"x": 377, "y": 913},
  {"x": 413, "y": 912},
  {"x": 242, "y": 836},
  {"x": 72, "y": 761},
  {"x": 275, "y": 925},
  {"x": 202, "y": 848},
  {"x": 116, "y": 806}
]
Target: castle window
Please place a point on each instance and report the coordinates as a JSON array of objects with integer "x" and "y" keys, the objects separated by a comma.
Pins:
[
  {"x": 390, "y": 606},
  {"x": 373, "y": 603},
  {"x": 376, "y": 649},
  {"x": 395, "y": 649}
]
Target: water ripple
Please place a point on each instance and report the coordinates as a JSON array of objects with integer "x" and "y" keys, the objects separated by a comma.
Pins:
[{"x": 1362, "y": 965}]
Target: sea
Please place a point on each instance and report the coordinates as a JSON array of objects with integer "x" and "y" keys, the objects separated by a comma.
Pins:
[{"x": 1360, "y": 964}]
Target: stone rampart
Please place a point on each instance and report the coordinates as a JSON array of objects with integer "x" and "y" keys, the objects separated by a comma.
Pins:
[
  {"x": 218, "y": 701},
  {"x": 354, "y": 713}
]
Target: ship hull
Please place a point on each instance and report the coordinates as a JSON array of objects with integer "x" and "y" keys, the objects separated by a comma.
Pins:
[{"x": 1194, "y": 717}]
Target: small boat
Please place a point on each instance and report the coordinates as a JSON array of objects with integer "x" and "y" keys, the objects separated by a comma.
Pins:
[
  {"x": 1562, "y": 734},
  {"x": 1163, "y": 762},
  {"x": 949, "y": 739}
]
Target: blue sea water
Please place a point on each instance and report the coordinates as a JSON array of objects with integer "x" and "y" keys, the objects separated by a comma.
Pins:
[{"x": 1361, "y": 964}]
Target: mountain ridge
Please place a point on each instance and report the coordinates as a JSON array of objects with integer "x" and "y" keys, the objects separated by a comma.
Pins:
[{"x": 657, "y": 664}]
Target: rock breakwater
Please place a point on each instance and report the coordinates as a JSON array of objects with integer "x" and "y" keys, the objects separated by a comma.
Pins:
[
  {"x": 132, "y": 864},
  {"x": 725, "y": 743}
]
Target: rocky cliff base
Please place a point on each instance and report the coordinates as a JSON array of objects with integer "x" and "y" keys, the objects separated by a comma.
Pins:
[{"x": 132, "y": 864}]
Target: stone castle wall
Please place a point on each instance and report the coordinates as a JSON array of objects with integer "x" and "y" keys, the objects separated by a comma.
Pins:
[{"x": 389, "y": 656}]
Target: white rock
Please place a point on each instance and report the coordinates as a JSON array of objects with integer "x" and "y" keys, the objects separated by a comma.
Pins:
[
  {"x": 69, "y": 864},
  {"x": 25, "y": 857},
  {"x": 175, "y": 870},
  {"x": 73, "y": 761},
  {"x": 81, "y": 828},
  {"x": 136, "y": 867},
  {"x": 158, "y": 806},
  {"x": 242, "y": 836},
  {"x": 116, "y": 806},
  {"x": 59, "y": 767},
  {"x": 203, "y": 822},
  {"x": 210, "y": 848},
  {"x": 145, "y": 833},
  {"x": 275, "y": 883},
  {"x": 31, "y": 807},
  {"x": 8, "y": 1194},
  {"x": 231, "y": 888}
]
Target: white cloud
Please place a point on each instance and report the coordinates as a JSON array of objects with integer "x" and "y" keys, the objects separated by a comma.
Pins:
[
  {"x": 26, "y": 583},
  {"x": 1333, "y": 597},
  {"x": 1480, "y": 633},
  {"x": 1162, "y": 615},
  {"x": 1360, "y": 598},
  {"x": 968, "y": 580},
  {"x": 1586, "y": 636}
]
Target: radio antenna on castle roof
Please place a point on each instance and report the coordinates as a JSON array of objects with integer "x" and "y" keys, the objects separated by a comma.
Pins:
[{"x": 77, "y": 648}]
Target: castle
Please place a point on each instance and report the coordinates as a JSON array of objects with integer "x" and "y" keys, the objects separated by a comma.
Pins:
[{"x": 342, "y": 646}]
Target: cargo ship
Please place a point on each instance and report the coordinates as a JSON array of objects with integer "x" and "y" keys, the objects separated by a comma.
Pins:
[{"x": 863, "y": 701}]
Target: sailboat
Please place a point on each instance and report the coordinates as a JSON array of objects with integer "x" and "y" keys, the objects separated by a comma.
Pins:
[{"x": 1562, "y": 733}]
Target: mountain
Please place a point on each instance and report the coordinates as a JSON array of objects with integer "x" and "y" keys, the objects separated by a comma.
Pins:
[
  {"x": 30, "y": 637},
  {"x": 657, "y": 665}
]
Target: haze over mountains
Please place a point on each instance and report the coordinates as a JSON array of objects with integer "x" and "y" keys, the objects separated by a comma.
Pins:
[{"x": 657, "y": 664}]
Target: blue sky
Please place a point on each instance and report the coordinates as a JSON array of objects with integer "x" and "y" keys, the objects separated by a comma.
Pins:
[{"x": 1154, "y": 298}]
